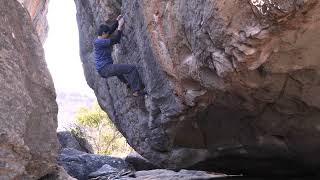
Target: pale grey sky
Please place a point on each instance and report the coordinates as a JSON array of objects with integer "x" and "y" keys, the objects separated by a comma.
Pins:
[{"x": 62, "y": 48}]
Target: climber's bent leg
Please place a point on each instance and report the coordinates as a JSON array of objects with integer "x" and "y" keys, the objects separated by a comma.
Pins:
[
  {"x": 118, "y": 70},
  {"x": 135, "y": 80},
  {"x": 127, "y": 70},
  {"x": 123, "y": 79}
]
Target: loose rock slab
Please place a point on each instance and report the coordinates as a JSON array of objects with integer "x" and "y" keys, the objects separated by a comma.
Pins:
[
  {"x": 162, "y": 174},
  {"x": 81, "y": 165},
  {"x": 139, "y": 163}
]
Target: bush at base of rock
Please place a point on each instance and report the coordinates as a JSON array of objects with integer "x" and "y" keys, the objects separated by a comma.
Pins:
[{"x": 94, "y": 125}]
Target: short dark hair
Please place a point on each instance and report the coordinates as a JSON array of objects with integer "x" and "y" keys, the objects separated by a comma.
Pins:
[{"x": 103, "y": 29}]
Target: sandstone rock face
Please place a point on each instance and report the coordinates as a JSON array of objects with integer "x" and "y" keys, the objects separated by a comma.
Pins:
[
  {"x": 233, "y": 84},
  {"x": 38, "y": 10},
  {"x": 28, "y": 111}
]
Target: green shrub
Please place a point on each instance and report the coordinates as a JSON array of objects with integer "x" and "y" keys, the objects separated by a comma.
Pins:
[{"x": 100, "y": 131}]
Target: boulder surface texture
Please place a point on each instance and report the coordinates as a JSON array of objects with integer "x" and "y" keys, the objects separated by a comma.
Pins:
[
  {"x": 68, "y": 140},
  {"x": 81, "y": 165},
  {"x": 28, "y": 110},
  {"x": 138, "y": 162},
  {"x": 233, "y": 84},
  {"x": 38, "y": 10}
]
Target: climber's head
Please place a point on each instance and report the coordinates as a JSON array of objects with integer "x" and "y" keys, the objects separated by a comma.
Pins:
[{"x": 103, "y": 31}]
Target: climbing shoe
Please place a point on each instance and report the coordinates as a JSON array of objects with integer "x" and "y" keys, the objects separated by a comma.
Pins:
[
  {"x": 128, "y": 86},
  {"x": 139, "y": 93}
]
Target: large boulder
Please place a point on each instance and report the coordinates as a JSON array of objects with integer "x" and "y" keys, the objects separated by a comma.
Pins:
[
  {"x": 233, "y": 84},
  {"x": 28, "y": 110}
]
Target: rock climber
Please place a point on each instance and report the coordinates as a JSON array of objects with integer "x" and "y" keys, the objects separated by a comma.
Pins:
[{"x": 109, "y": 34}]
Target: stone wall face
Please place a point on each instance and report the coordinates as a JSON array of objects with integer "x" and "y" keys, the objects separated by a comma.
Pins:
[
  {"x": 233, "y": 84},
  {"x": 28, "y": 110},
  {"x": 38, "y": 10}
]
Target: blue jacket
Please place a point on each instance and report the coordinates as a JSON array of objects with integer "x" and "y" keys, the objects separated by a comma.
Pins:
[{"x": 103, "y": 48}]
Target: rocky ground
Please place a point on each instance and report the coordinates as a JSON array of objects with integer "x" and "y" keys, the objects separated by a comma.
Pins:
[{"x": 83, "y": 165}]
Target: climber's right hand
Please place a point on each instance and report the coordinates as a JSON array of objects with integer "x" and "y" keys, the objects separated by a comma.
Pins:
[
  {"x": 119, "y": 17},
  {"x": 121, "y": 23}
]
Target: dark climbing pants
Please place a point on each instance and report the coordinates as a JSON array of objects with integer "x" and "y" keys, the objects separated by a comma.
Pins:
[{"x": 126, "y": 73}]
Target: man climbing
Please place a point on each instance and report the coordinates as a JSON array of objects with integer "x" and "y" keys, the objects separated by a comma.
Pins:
[{"x": 126, "y": 73}]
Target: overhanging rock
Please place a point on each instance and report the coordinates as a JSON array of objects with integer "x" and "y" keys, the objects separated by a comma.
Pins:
[{"x": 233, "y": 84}]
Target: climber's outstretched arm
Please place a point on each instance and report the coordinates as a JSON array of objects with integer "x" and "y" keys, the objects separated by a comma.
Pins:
[
  {"x": 117, "y": 34},
  {"x": 115, "y": 38},
  {"x": 114, "y": 25}
]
